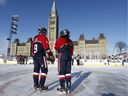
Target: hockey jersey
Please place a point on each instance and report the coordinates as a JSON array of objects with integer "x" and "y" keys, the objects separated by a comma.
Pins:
[
  {"x": 64, "y": 46},
  {"x": 40, "y": 45}
]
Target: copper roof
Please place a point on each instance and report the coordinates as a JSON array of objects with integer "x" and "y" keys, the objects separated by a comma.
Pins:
[
  {"x": 81, "y": 37},
  {"x": 101, "y": 36}
]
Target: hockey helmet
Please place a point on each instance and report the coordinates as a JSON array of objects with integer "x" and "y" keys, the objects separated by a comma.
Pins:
[
  {"x": 65, "y": 32},
  {"x": 42, "y": 30}
]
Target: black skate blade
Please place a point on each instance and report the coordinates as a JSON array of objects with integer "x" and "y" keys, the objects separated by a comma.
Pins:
[
  {"x": 58, "y": 89},
  {"x": 43, "y": 89}
]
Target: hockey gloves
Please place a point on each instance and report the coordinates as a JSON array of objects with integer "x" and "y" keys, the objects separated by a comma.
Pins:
[{"x": 50, "y": 56}]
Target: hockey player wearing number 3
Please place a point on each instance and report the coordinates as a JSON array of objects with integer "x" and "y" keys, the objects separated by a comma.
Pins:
[
  {"x": 64, "y": 48},
  {"x": 41, "y": 53}
]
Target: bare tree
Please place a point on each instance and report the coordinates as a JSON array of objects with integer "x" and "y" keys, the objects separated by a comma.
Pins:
[{"x": 120, "y": 45}]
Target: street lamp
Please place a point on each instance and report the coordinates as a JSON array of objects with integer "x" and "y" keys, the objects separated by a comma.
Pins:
[{"x": 13, "y": 30}]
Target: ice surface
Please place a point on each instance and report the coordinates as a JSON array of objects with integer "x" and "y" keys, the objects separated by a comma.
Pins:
[{"x": 16, "y": 80}]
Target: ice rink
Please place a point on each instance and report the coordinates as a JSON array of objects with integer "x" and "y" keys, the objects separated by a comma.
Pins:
[{"x": 16, "y": 80}]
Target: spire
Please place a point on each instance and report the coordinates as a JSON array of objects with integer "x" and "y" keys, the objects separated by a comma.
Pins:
[
  {"x": 54, "y": 11},
  {"x": 101, "y": 36},
  {"x": 54, "y": 6}
]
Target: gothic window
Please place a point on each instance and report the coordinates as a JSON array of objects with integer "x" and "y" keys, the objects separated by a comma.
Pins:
[
  {"x": 52, "y": 29},
  {"x": 52, "y": 22}
]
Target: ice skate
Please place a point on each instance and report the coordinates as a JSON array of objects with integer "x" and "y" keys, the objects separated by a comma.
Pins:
[
  {"x": 68, "y": 88},
  {"x": 36, "y": 87},
  {"x": 61, "y": 89},
  {"x": 43, "y": 88}
]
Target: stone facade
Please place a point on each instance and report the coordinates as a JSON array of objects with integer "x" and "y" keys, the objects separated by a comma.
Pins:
[
  {"x": 21, "y": 48},
  {"x": 91, "y": 49}
]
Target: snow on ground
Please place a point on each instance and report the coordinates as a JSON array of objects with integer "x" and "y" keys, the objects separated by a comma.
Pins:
[{"x": 16, "y": 80}]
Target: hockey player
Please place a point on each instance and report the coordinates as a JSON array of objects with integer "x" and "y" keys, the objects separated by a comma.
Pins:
[
  {"x": 41, "y": 53},
  {"x": 64, "y": 48}
]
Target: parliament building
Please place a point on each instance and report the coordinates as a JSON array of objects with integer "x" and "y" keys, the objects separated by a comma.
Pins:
[{"x": 88, "y": 49}]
